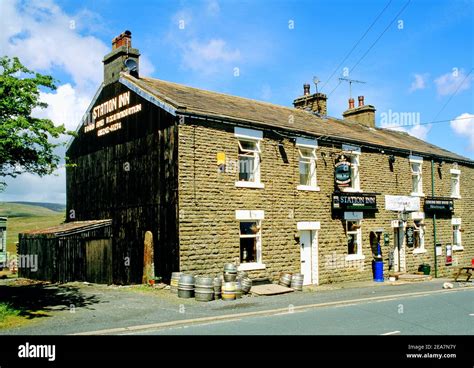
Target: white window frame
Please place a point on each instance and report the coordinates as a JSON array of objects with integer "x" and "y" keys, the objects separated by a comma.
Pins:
[
  {"x": 312, "y": 145},
  {"x": 416, "y": 175},
  {"x": 355, "y": 172},
  {"x": 253, "y": 136},
  {"x": 358, "y": 232},
  {"x": 251, "y": 216},
  {"x": 455, "y": 183},
  {"x": 456, "y": 225}
]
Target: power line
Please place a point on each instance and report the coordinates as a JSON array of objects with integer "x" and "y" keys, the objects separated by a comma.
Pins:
[
  {"x": 357, "y": 43},
  {"x": 425, "y": 123},
  {"x": 453, "y": 94},
  {"x": 374, "y": 43}
]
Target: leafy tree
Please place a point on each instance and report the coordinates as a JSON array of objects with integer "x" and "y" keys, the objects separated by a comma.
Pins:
[{"x": 25, "y": 144}]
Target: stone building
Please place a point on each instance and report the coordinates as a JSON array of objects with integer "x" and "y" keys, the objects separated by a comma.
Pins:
[{"x": 219, "y": 178}]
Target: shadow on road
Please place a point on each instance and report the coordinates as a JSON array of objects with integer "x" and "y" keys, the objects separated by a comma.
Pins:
[{"x": 34, "y": 300}]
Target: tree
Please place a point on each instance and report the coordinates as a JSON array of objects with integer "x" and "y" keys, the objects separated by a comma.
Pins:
[{"x": 25, "y": 144}]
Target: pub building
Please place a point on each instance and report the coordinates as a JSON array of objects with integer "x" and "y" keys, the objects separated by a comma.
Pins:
[{"x": 218, "y": 178}]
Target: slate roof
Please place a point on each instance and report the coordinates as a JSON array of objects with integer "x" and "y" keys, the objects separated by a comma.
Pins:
[{"x": 196, "y": 101}]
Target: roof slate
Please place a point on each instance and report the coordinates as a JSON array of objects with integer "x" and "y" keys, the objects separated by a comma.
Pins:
[{"x": 192, "y": 100}]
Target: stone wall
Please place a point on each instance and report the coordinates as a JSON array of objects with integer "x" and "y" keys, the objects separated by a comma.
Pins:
[{"x": 209, "y": 232}]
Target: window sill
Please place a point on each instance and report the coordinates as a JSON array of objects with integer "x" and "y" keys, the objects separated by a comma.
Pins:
[
  {"x": 308, "y": 188},
  {"x": 251, "y": 266},
  {"x": 456, "y": 197},
  {"x": 457, "y": 247},
  {"x": 413, "y": 194},
  {"x": 352, "y": 190},
  {"x": 354, "y": 257},
  {"x": 419, "y": 251},
  {"x": 249, "y": 184}
]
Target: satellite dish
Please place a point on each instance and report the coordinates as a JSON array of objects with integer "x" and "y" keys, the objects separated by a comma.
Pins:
[{"x": 131, "y": 65}]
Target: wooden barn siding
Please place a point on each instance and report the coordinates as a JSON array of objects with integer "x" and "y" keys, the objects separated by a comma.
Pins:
[
  {"x": 139, "y": 200},
  {"x": 60, "y": 259}
]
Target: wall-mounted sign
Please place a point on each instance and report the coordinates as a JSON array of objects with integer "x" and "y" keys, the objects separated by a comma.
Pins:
[
  {"x": 410, "y": 234},
  {"x": 342, "y": 172},
  {"x": 106, "y": 116},
  {"x": 439, "y": 249},
  {"x": 402, "y": 203},
  {"x": 435, "y": 204},
  {"x": 354, "y": 201}
]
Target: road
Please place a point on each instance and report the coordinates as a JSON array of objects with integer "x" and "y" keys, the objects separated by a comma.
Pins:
[{"x": 427, "y": 314}]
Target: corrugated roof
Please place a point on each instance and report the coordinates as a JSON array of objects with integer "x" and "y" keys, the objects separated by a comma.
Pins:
[
  {"x": 192, "y": 100},
  {"x": 70, "y": 227}
]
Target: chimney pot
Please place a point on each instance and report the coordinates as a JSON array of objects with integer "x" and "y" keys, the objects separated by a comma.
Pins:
[
  {"x": 306, "y": 88},
  {"x": 351, "y": 103},
  {"x": 361, "y": 101},
  {"x": 124, "y": 39}
]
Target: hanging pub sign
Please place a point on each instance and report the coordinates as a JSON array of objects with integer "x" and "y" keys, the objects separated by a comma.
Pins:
[
  {"x": 353, "y": 201},
  {"x": 342, "y": 172},
  {"x": 439, "y": 204},
  {"x": 410, "y": 233}
]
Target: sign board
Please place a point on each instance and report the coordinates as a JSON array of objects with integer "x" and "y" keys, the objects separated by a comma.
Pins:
[
  {"x": 435, "y": 204},
  {"x": 402, "y": 203},
  {"x": 342, "y": 172},
  {"x": 410, "y": 234},
  {"x": 354, "y": 201},
  {"x": 439, "y": 250}
]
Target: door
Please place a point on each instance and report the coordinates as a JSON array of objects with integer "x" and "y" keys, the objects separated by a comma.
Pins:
[
  {"x": 99, "y": 261},
  {"x": 309, "y": 256},
  {"x": 399, "y": 251}
]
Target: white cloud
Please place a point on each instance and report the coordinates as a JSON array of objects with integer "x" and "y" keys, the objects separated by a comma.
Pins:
[
  {"x": 463, "y": 125},
  {"x": 449, "y": 83},
  {"x": 417, "y": 131},
  {"x": 209, "y": 57},
  {"x": 419, "y": 82}
]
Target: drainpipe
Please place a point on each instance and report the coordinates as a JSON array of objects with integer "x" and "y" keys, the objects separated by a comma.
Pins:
[{"x": 434, "y": 220}]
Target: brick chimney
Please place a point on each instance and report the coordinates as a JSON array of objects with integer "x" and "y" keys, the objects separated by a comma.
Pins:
[
  {"x": 363, "y": 114},
  {"x": 316, "y": 102},
  {"x": 114, "y": 62}
]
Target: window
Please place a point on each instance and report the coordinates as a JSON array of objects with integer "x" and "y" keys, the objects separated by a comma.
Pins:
[
  {"x": 307, "y": 164},
  {"x": 455, "y": 183},
  {"x": 457, "y": 242},
  {"x": 354, "y": 239},
  {"x": 250, "y": 234},
  {"x": 416, "y": 175},
  {"x": 249, "y": 157},
  {"x": 353, "y": 153},
  {"x": 419, "y": 237}
]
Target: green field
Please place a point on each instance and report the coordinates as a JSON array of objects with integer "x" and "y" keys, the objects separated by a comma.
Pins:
[{"x": 23, "y": 217}]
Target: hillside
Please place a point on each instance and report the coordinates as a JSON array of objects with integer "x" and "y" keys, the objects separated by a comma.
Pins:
[
  {"x": 58, "y": 207},
  {"x": 26, "y": 216}
]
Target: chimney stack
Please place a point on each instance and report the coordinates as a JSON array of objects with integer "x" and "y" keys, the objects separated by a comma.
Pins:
[
  {"x": 316, "y": 102},
  {"x": 114, "y": 62},
  {"x": 362, "y": 114}
]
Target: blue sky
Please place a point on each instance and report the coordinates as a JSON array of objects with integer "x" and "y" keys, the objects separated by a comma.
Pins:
[{"x": 421, "y": 64}]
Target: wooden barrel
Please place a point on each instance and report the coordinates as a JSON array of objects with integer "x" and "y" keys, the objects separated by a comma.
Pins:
[
  {"x": 297, "y": 282},
  {"x": 204, "y": 289},
  {"x": 228, "y": 291},
  {"x": 246, "y": 283},
  {"x": 285, "y": 279},
  {"x": 174, "y": 282},
  {"x": 186, "y": 286}
]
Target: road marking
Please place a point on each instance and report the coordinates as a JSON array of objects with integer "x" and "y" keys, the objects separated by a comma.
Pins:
[
  {"x": 472, "y": 314},
  {"x": 390, "y": 333},
  {"x": 182, "y": 322}
]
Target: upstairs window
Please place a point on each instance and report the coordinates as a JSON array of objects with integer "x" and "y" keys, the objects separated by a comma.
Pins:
[
  {"x": 307, "y": 164},
  {"x": 416, "y": 175},
  {"x": 353, "y": 154},
  {"x": 249, "y": 157},
  {"x": 455, "y": 183}
]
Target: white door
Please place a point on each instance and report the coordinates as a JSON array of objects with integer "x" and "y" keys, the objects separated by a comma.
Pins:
[
  {"x": 399, "y": 251},
  {"x": 309, "y": 254}
]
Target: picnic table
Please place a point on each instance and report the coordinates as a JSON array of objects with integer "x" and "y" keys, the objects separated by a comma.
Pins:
[{"x": 464, "y": 271}]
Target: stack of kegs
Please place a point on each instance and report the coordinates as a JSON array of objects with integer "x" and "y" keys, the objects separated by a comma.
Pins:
[
  {"x": 297, "y": 282},
  {"x": 186, "y": 286},
  {"x": 228, "y": 291},
  {"x": 204, "y": 290},
  {"x": 285, "y": 279},
  {"x": 174, "y": 282},
  {"x": 230, "y": 272}
]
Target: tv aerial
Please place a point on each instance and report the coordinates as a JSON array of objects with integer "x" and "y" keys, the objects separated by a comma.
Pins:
[
  {"x": 350, "y": 81},
  {"x": 316, "y": 81}
]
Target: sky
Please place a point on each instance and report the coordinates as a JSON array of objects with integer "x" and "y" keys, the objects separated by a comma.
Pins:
[{"x": 414, "y": 57}]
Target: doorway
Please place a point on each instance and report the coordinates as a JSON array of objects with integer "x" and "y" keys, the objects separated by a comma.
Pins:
[
  {"x": 399, "y": 260},
  {"x": 309, "y": 256}
]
